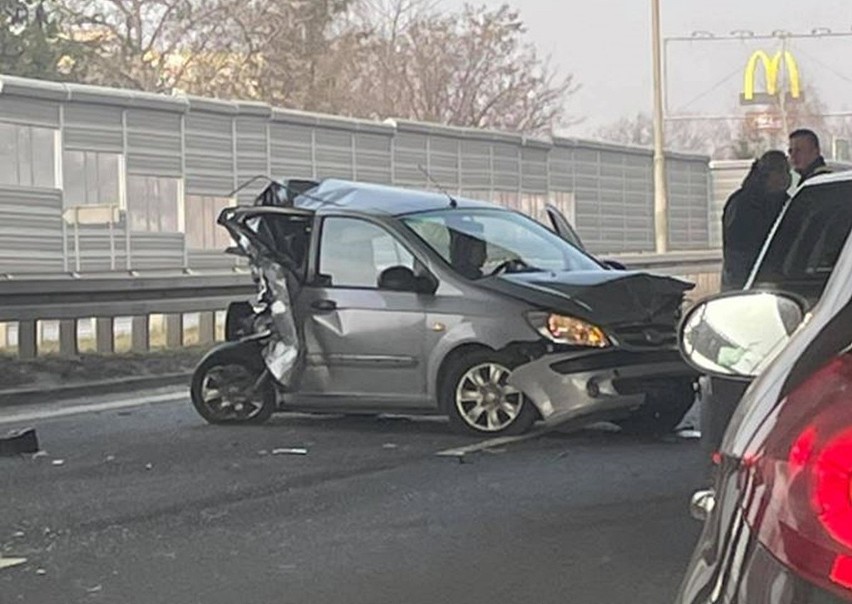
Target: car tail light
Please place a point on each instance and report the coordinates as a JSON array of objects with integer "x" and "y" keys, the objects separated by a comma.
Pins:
[{"x": 799, "y": 479}]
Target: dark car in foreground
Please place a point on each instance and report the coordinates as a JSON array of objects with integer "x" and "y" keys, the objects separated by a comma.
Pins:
[
  {"x": 778, "y": 520},
  {"x": 798, "y": 257},
  {"x": 388, "y": 299}
]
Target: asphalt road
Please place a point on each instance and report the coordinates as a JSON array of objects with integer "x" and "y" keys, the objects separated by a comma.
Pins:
[{"x": 150, "y": 505}]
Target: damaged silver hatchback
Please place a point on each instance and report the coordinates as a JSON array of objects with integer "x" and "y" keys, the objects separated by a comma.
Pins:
[{"x": 375, "y": 299}]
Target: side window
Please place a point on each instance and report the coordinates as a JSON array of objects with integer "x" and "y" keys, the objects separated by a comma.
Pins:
[
  {"x": 808, "y": 241},
  {"x": 353, "y": 252},
  {"x": 27, "y": 156}
]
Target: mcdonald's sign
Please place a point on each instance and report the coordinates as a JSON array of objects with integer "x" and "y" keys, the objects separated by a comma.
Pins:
[{"x": 772, "y": 70}]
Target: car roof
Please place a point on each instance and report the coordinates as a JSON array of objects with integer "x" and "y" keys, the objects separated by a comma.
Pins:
[
  {"x": 334, "y": 194},
  {"x": 830, "y": 178}
]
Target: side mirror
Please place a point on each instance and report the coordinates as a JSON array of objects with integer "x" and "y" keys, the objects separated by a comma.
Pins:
[
  {"x": 403, "y": 279},
  {"x": 614, "y": 265},
  {"x": 737, "y": 335}
]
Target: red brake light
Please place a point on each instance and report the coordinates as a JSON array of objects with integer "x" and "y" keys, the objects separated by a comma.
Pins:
[
  {"x": 832, "y": 478},
  {"x": 799, "y": 498}
]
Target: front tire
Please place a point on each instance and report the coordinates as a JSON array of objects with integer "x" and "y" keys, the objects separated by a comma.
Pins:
[
  {"x": 478, "y": 399},
  {"x": 228, "y": 388}
]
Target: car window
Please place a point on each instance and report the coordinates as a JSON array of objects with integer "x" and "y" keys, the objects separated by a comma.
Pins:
[
  {"x": 354, "y": 252},
  {"x": 476, "y": 242},
  {"x": 808, "y": 240}
]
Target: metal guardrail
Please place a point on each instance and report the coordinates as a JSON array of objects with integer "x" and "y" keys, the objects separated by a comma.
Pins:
[
  {"x": 115, "y": 295},
  {"x": 675, "y": 263},
  {"x": 67, "y": 298}
]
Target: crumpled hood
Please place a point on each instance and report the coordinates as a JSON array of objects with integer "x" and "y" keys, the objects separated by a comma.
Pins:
[{"x": 604, "y": 297}]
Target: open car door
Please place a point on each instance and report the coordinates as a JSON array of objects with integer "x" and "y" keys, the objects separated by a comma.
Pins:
[{"x": 563, "y": 227}]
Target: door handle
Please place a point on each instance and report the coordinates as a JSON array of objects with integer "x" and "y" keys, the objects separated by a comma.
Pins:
[{"x": 324, "y": 305}]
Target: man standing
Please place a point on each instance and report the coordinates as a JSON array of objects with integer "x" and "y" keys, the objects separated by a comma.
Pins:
[{"x": 805, "y": 155}]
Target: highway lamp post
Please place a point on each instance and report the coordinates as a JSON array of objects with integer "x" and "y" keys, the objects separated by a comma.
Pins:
[{"x": 661, "y": 223}]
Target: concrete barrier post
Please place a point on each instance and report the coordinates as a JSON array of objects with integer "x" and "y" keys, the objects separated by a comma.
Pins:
[
  {"x": 140, "y": 336},
  {"x": 27, "y": 340},
  {"x": 68, "y": 338},
  {"x": 174, "y": 331},
  {"x": 105, "y": 334}
]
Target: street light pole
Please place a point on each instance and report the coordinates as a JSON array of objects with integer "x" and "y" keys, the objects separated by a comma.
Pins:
[{"x": 661, "y": 222}]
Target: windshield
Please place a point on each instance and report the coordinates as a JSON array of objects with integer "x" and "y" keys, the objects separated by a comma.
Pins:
[{"x": 478, "y": 243}]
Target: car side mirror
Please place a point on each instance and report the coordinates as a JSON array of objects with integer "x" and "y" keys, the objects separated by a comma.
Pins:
[
  {"x": 403, "y": 279},
  {"x": 737, "y": 335},
  {"x": 614, "y": 265}
]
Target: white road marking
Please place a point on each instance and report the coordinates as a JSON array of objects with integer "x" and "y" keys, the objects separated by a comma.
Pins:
[{"x": 10, "y": 417}]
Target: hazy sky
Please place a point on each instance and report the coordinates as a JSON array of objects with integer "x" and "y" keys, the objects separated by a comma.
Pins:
[{"x": 606, "y": 44}]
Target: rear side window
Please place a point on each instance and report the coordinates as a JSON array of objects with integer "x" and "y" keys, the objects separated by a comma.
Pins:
[{"x": 808, "y": 241}]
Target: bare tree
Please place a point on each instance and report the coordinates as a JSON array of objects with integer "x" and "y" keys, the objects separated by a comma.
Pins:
[
  {"x": 365, "y": 58},
  {"x": 755, "y": 136},
  {"x": 472, "y": 68},
  {"x": 160, "y": 45},
  {"x": 694, "y": 136}
]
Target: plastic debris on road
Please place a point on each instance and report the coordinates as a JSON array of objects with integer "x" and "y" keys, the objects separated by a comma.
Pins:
[
  {"x": 10, "y": 562},
  {"x": 58, "y": 462},
  {"x": 290, "y": 451}
]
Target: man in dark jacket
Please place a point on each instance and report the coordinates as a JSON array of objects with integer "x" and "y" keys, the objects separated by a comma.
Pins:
[
  {"x": 805, "y": 155},
  {"x": 750, "y": 214}
]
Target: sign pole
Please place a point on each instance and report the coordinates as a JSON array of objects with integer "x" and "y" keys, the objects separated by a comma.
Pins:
[
  {"x": 661, "y": 222},
  {"x": 785, "y": 84}
]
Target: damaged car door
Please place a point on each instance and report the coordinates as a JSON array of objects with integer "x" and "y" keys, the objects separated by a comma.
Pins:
[
  {"x": 363, "y": 319},
  {"x": 239, "y": 380}
]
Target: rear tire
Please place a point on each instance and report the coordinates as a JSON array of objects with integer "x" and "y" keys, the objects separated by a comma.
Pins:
[
  {"x": 477, "y": 399},
  {"x": 220, "y": 385},
  {"x": 662, "y": 412}
]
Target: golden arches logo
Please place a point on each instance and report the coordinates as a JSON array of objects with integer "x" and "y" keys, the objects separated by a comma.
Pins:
[{"x": 772, "y": 69}]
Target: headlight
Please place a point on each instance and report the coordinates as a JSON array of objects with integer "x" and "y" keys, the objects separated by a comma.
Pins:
[{"x": 568, "y": 330}]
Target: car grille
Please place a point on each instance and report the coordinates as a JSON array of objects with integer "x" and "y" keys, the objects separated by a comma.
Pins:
[{"x": 646, "y": 336}]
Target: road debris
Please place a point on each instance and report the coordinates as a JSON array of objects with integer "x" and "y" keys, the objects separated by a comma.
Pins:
[
  {"x": 290, "y": 451},
  {"x": 10, "y": 562},
  {"x": 110, "y": 458},
  {"x": 58, "y": 462},
  {"x": 38, "y": 454},
  {"x": 95, "y": 589},
  {"x": 149, "y": 466},
  {"x": 390, "y": 446},
  {"x": 41, "y": 571},
  {"x": 17, "y": 442}
]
